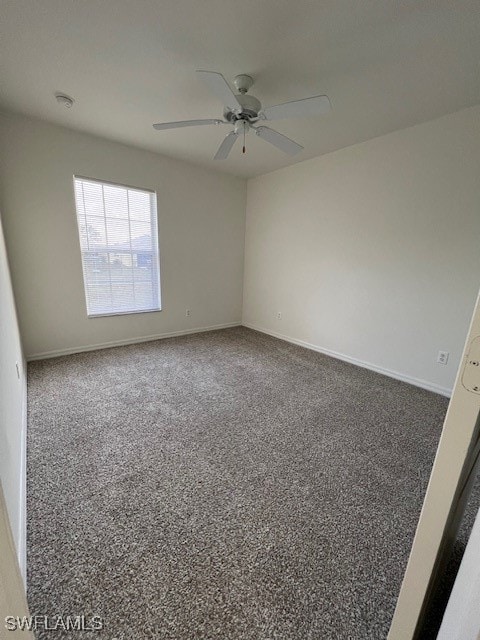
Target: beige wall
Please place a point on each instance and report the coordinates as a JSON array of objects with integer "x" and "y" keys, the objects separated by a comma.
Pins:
[
  {"x": 12, "y": 410},
  {"x": 373, "y": 252},
  {"x": 12, "y": 592},
  {"x": 201, "y": 227}
]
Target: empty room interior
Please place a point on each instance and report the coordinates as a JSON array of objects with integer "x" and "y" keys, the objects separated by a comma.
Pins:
[{"x": 239, "y": 352}]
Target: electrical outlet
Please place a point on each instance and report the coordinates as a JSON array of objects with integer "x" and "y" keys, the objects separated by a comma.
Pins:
[
  {"x": 187, "y": 313},
  {"x": 279, "y": 315},
  {"x": 442, "y": 357}
]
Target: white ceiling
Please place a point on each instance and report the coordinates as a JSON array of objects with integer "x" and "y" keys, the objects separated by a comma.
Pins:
[{"x": 385, "y": 64}]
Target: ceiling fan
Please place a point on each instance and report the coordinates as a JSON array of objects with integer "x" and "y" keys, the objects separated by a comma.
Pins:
[{"x": 244, "y": 111}]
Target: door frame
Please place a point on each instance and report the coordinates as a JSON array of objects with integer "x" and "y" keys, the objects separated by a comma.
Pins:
[{"x": 450, "y": 482}]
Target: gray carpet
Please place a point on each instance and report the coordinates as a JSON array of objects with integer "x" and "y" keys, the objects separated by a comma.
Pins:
[{"x": 223, "y": 486}]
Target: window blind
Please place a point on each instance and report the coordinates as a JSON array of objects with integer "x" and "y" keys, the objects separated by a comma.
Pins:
[{"x": 117, "y": 226}]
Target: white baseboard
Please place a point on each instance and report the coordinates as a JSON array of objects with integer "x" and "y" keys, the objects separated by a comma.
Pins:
[
  {"x": 121, "y": 343},
  {"x": 417, "y": 382},
  {"x": 22, "y": 525}
]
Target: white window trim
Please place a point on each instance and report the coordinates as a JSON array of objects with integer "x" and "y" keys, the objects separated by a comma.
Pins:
[{"x": 155, "y": 239}]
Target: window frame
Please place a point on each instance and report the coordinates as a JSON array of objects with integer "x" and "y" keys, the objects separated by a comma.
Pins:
[{"x": 155, "y": 240}]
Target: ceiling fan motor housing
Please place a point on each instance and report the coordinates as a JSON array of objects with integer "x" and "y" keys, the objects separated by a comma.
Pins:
[{"x": 250, "y": 108}]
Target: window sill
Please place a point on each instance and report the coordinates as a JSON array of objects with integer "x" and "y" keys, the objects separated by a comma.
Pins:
[{"x": 121, "y": 313}]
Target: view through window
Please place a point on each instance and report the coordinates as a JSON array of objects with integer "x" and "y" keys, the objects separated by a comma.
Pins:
[{"x": 119, "y": 243}]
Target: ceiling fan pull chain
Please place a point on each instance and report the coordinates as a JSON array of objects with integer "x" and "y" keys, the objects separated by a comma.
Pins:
[{"x": 243, "y": 137}]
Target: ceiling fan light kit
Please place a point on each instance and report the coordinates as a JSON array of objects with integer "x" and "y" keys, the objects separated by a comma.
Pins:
[{"x": 244, "y": 111}]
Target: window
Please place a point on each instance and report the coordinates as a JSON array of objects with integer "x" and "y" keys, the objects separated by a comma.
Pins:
[{"x": 117, "y": 226}]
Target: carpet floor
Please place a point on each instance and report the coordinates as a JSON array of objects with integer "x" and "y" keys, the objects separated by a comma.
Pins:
[{"x": 223, "y": 486}]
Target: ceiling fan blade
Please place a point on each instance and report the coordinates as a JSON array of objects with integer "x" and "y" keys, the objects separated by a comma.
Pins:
[
  {"x": 226, "y": 146},
  {"x": 219, "y": 86},
  {"x": 185, "y": 123},
  {"x": 278, "y": 140},
  {"x": 315, "y": 106}
]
